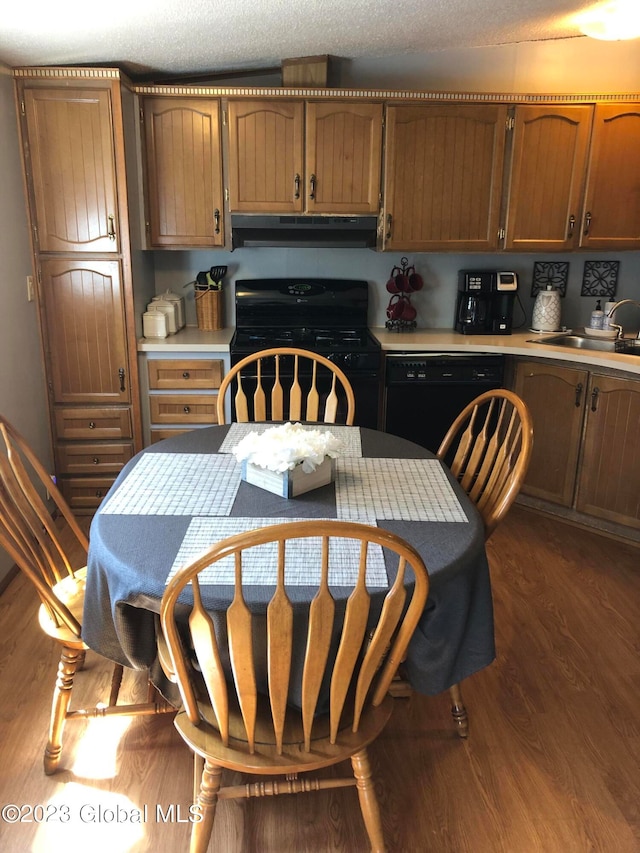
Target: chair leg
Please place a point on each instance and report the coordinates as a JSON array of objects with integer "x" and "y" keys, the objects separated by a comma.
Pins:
[
  {"x": 116, "y": 682},
  {"x": 458, "y": 711},
  {"x": 69, "y": 660},
  {"x": 368, "y": 800},
  {"x": 207, "y": 800}
]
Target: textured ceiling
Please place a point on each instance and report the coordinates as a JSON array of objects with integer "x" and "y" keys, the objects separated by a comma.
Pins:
[{"x": 189, "y": 37}]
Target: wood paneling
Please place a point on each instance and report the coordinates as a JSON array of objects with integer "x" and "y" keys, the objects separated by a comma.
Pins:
[
  {"x": 547, "y": 177},
  {"x": 184, "y": 169},
  {"x": 73, "y": 169},
  {"x": 85, "y": 331},
  {"x": 443, "y": 177},
  {"x": 343, "y": 154},
  {"x": 613, "y": 188},
  {"x": 265, "y": 156}
]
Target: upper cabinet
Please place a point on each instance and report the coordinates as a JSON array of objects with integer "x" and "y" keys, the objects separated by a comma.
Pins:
[
  {"x": 297, "y": 157},
  {"x": 547, "y": 177},
  {"x": 184, "y": 172},
  {"x": 72, "y": 169},
  {"x": 611, "y": 217},
  {"x": 443, "y": 177},
  {"x": 574, "y": 178}
]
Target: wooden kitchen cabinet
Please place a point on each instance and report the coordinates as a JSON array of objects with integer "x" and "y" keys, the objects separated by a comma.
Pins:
[
  {"x": 184, "y": 172},
  {"x": 611, "y": 211},
  {"x": 546, "y": 178},
  {"x": 77, "y": 129},
  {"x": 296, "y": 157},
  {"x": 85, "y": 339},
  {"x": 609, "y": 476},
  {"x": 72, "y": 168},
  {"x": 585, "y": 427},
  {"x": 443, "y": 177},
  {"x": 555, "y": 397}
]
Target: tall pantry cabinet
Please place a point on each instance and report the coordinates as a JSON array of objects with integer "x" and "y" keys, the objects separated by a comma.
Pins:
[{"x": 73, "y": 125}]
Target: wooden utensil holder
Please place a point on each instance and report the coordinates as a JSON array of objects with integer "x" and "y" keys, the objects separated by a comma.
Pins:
[{"x": 209, "y": 310}]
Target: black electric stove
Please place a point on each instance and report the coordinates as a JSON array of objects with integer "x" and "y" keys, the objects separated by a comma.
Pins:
[{"x": 328, "y": 316}]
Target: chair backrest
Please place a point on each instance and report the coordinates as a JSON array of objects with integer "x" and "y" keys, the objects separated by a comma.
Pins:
[
  {"x": 28, "y": 531},
  {"x": 286, "y": 383},
  {"x": 357, "y": 652},
  {"x": 488, "y": 448}
]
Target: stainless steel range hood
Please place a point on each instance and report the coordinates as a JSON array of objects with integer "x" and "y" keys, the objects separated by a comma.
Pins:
[{"x": 349, "y": 232}]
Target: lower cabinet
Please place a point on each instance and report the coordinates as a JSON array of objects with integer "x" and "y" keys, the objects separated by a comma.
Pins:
[
  {"x": 182, "y": 393},
  {"x": 585, "y": 427}
]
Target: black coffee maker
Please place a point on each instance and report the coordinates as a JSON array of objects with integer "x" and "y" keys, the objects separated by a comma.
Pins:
[{"x": 485, "y": 302}]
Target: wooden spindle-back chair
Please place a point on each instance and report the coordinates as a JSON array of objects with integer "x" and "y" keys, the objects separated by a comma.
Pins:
[
  {"x": 230, "y": 724},
  {"x": 271, "y": 394},
  {"x": 488, "y": 448},
  {"x": 34, "y": 540}
]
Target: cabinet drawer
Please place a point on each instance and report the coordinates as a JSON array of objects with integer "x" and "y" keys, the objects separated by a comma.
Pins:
[
  {"x": 93, "y": 423},
  {"x": 204, "y": 373},
  {"x": 85, "y": 494},
  {"x": 161, "y": 434},
  {"x": 183, "y": 408},
  {"x": 92, "y": 458}
]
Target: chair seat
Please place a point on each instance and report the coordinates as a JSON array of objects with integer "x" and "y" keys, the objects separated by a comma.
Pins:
[
  {"x": 205, "y": 740},
  {"x": 70, "y": 591}
]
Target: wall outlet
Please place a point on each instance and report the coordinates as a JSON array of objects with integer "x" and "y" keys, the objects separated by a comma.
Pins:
[{"x": 30, "y": 289}]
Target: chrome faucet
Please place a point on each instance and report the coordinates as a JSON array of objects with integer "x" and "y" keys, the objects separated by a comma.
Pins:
[{"x": 611, "y": 311}]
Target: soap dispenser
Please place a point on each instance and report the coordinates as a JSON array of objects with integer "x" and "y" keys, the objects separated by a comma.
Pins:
[{"x": 597, "y": 317}]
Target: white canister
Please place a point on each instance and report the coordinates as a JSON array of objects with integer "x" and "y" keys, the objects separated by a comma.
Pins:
[
  {"x": 546, "y": 311},
  {"x": 178, "y": 301},
  {"x": 607, "y": 320},
  {"x": 154, "y": 323},
  {"x": 170, "y": 311}
]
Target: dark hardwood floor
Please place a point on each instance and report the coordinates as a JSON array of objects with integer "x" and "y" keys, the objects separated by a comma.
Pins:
[{"x": 552, "y": 763}]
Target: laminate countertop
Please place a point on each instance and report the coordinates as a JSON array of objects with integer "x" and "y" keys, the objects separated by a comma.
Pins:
[{"x": 192, "y": 339}]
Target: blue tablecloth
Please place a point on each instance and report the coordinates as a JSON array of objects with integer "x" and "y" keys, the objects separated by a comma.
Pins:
[{"x": 130, "y": 557}]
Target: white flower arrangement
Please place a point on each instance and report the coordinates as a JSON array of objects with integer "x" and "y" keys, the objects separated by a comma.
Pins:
[{"x": 283, "y": 447}]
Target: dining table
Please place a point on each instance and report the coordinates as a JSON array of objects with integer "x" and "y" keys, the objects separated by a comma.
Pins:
[{"x": 179, "y": 496}]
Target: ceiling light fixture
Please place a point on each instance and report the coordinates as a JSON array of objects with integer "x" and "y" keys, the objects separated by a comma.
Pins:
[{"x": 611, "y": 21}]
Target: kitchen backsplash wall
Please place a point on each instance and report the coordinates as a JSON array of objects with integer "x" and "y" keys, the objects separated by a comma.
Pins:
[{"x": 435, "y": 303}]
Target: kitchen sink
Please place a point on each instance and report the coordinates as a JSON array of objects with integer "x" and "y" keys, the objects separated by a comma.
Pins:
[
  {"x": 629, "y": 346},
  {"x": 577, "y": 342}
]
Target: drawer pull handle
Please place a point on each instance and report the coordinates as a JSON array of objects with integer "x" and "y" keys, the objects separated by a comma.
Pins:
[
  {"x": 121, "y": 378},
  {"x": 92, "y": 424},
  {"x": 186, "y": 410},
  {"x": 578, "y": 394},
  {"x": 111, "y": 227},
  {"x": 216, "y": 220},
  {"x": 96, "y": 460},
  {"x": 296, "y": 186},
  {"x": 186, "y": 374},
  {"x": 594, "y": 399},
  {"x": 98, "y": 493}
]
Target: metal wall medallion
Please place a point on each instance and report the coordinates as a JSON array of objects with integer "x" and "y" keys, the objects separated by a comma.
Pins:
[
  {"x": 600, "y": 278},
  {"x": 555, "y": 273}
]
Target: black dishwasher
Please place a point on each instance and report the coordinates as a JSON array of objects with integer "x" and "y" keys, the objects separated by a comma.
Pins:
[{"x": 424, "y": 392}]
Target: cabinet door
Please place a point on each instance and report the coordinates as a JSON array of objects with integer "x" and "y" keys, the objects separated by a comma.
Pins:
[
  {"x": 609, "y": 484},
  {"x": 71, "y": 162},
  {"x": 443, "y": 177},
  {"x": 555, "y": 397},
  {"x": 343, "y": 157},
  {"x": 611, "y": 217},
  {"x": 85, "y": 331},
  {"x": 547, "y": 176},
  {"x": 184, "y": 171},
  {"x": 266, "y": 156}
]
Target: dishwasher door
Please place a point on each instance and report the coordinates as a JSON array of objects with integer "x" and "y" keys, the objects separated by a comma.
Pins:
[{"x": 424, "y": 392}]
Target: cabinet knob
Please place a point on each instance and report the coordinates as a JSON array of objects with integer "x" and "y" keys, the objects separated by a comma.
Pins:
[
  {"x": 96, "y": 460},
  {"x": 186, "y": 374},
  {"x": 92, "y": 424},
  {"x": 186, "y": 409},
  {"x": 99, "y": 493}
]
